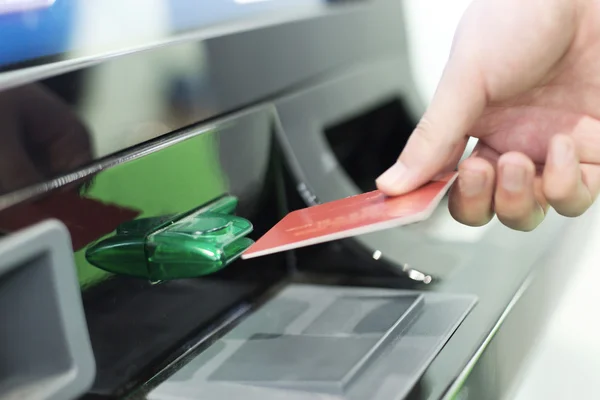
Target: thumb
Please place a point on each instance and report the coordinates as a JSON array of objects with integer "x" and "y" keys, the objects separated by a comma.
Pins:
[{"x": 440, "y": 137}]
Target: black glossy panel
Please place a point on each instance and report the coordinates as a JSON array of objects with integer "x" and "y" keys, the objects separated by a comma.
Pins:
[
  {"x": 41, "y": 137},
  {"x": 136, "y": 326},
  {"x": 133, "y": 324},
  {"x": 176, "y": 176},
  {"x": 84, "y": 112}
]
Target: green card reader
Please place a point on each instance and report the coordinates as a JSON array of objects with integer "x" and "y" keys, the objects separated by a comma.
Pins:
[{"x": 195, "y": 243}]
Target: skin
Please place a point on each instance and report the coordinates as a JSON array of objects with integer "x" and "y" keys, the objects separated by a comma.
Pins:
[{"x": 523, "y": 77}]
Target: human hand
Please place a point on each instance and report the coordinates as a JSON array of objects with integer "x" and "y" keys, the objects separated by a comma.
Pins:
[{"x": 524, "y": 78}]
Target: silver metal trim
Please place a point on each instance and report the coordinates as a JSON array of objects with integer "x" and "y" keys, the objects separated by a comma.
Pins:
[
  {"x": 23, "y": 76},
  {"x": 454, "y": 389}
]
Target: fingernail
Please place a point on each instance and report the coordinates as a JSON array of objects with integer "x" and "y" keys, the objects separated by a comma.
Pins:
[
  {"x": 393, "y": 176},
  {"x": 513, "y": 178},
  {"x": 471, "y": 183},
  {"x": 562, "y": 152}
]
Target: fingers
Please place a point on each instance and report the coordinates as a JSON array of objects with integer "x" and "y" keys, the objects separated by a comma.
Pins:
[
  {"x": 516, "y": 202},
  {"x": 563, "y": 182},
  {"x": 471, "y": 197},
  {"x": 440, "y": 138},
  {"x": 519, "y": 197},
  {"x": 505, "y": 185}
]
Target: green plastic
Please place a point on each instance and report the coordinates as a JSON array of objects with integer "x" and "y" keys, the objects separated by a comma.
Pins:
[{"x": 192, "y": 244}]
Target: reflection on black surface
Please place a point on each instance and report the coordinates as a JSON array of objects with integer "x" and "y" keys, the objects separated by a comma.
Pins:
[
  {"x": 133, "y": 323},
  {"x": 136, "y": 327},
  {"x": 40, "y": 138}
]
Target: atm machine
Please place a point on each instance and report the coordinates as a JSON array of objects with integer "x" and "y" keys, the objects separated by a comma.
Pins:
[{"x": 144, "y": 145}]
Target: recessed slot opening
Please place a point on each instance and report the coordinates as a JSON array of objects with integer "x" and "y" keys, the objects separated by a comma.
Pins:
[{"x": 369, "y": 143}]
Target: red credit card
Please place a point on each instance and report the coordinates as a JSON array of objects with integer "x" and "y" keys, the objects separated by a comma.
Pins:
[{"x": 351, "y": 216}]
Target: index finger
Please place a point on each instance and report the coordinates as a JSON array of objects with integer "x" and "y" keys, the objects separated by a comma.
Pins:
[{"x": 440, "y": 137}]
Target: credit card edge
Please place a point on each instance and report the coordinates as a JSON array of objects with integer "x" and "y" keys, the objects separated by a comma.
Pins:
[{"x": 380, "y": 226}]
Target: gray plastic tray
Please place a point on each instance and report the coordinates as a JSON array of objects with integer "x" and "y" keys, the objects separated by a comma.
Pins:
[
  {"x": 316, "y": 342},
  {"x": 45, "y": 351}
]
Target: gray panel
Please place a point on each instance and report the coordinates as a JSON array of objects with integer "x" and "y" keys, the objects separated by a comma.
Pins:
[
  {"x": 312, "y": 363},
  {"x": 273, "y": 318},
  {"x": 360, "y": 316},
  {"x": 347, "y": 343},
  {"x": 45, "y": 352}
]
